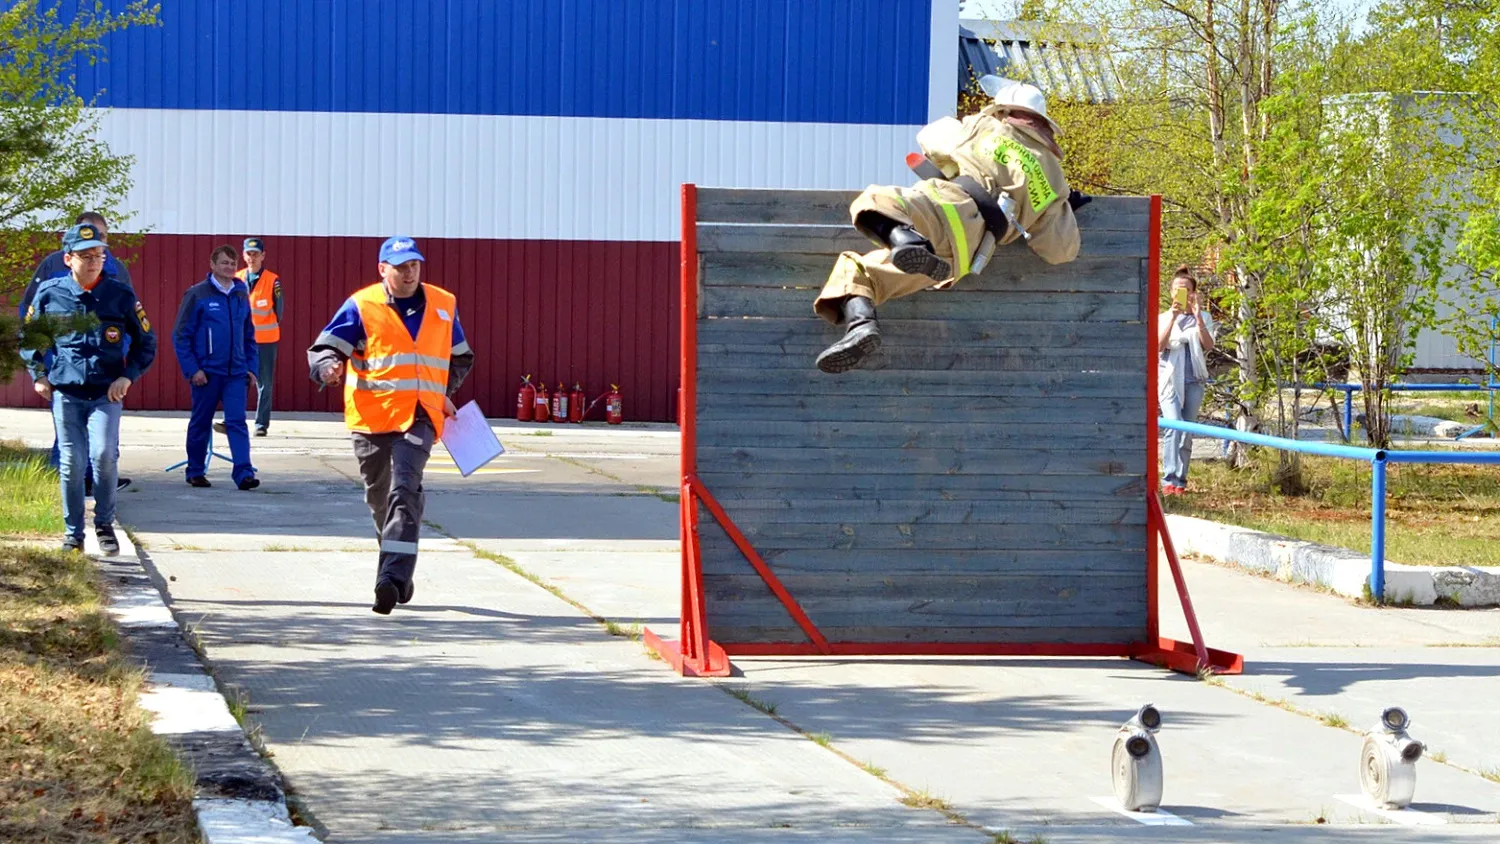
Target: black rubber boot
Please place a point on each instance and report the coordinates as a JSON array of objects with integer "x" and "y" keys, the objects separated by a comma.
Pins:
[
  {"x": 912, "y": 253},
  {"x": 861, "y": 337},
  {"x": 1077, "y": 199}
]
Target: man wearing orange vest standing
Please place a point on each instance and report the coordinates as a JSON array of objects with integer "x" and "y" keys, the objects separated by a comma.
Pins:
[
  {"x": 265, "y": 313},
  {"x": 401, "y": 353}
]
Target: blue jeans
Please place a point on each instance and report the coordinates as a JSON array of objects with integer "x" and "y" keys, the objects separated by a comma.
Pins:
[
  {"x": 231, "y": 390},
  {"x": 1177, "y": 451},
  {"x": 87, "y": 429}
]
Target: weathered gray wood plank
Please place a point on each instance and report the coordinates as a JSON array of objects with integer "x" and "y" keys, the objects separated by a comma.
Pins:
[
  {"x": 854, "y": 486},
  {"x": 1000, "y": 537},
  {"x": 1066, "y": 457},
  {"x": 757, "y": 205},
  {"x": 896, "y": 356},
  {"x": 804, "y": 332},
  {"x": 1020, "y": 271},
  {"x": 955, "y": 303},
  {"x": 908, "y": 614},
  {"x": 776, "y": 238},
  {"x": 925, "y": 387},
  {"x": 767, "y": 633},
  {"x": 1017, "y": 435},
  {"x": 1022, "y": 591},
  {"x": 953, "y": 410},
  {"x": 762, "y": 205},
  {"x": 794, "y": 510},
  {"x": 721, "y": 557}
]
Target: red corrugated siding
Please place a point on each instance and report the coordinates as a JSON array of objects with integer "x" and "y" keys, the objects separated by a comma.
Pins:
[{"x": 597, "y": 312}]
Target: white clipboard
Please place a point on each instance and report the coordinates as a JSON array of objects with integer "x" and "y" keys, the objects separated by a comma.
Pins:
[{"x": 469, "y": 440}]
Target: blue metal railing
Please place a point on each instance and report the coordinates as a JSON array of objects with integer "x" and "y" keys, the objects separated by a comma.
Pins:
[
  {"x": 1350, "y": 389},
  {"x": 1376, "y": 457}
]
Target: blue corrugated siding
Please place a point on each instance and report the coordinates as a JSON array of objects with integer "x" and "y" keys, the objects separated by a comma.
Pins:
[{"x": 826, "y": 61}]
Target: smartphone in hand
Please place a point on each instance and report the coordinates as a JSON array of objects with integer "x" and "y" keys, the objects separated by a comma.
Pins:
[{"x": 1180, "y": 298}]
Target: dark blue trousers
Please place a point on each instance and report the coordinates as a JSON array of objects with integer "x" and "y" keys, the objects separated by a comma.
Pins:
[{"x": 232, "y": 392}]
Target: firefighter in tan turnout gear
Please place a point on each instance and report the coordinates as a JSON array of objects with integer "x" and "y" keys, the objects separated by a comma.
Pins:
[{"x": 987, "y": 181}]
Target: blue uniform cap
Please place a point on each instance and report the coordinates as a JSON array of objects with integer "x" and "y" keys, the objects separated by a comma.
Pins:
[
  {"x": 80, "y": 237},
  {"x": 399, "y": 250},
  {"x": 254, "y": 244}
]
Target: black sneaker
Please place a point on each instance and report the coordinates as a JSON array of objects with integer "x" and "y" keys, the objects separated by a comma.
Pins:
[
  {"x": 386, "y": 596},
  {"x": 249, "y": 484},
  {"x": 408, "y": 592},
  {"x": 108, "y": 542},
  {"x": 121, "y": 483},
  {"x": 198, "y": 481},
  {"x": 260, "y": 432},
  {"x": 72, "y": 543},
  {"x": 220, "y": 429}
]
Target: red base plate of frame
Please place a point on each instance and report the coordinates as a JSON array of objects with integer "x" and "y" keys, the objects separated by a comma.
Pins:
[
  {"x": 1183, "y": 657},
  {"x": 670, "y": 650}
]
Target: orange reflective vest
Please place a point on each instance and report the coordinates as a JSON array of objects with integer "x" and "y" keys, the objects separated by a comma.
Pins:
[
  {"x": 263, "y": 306},
  {"x": 394, "y": 373}
]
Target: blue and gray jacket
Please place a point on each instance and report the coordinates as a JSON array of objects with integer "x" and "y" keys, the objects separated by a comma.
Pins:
[
  {"x": 84, "y": 363},
  {"x": 213, "y": 331}
]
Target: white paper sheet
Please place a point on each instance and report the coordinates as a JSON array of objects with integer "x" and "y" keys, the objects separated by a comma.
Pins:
[{"x": 469, "y": 439}]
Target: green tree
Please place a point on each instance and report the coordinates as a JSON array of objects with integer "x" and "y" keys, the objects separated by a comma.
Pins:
[{"x": 52, "y": 165}]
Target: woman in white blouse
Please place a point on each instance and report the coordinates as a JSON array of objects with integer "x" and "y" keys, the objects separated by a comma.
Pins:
[{"x": 1185, "y": 336}]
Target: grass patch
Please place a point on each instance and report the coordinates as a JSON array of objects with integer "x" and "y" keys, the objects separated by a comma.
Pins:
[
  {"x": 631, "y": 631},
  {"x": 32, "y": 503},
  {"x": 1435, "y": 514},
  {"x": 1333, "y": 719},
  {"x": 275, "y": 548},
  {"x": 1438, "y": 756},
  {"x": 924, "y": 799},
  {"x": 821, "y": 739},
  {"x": 743, "y": 695},
  {"x": 1491, "y": 774},
  {"x": 80, "y": 763},
  {"x": 873, "y": 770},
  {"x": 540, "y": 434}
]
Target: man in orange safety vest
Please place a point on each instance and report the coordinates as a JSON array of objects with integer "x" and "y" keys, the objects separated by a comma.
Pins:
[{"x": 401, "y": 353}]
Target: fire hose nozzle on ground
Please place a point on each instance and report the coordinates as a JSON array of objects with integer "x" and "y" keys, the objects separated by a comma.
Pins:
[{"x": 1135, "y": 764}]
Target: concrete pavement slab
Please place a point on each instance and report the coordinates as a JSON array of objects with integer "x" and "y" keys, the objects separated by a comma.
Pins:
[{"x": 490, "y": 704}]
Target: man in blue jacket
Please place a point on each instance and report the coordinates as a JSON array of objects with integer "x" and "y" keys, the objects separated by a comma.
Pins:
[
  {"x": 85, "y": 375},
  {"x": 215, "y": 343},
  {"x": 51, "y": 267}
]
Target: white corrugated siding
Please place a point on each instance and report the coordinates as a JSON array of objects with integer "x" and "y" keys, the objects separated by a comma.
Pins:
[{"x": 457, "y": 176}]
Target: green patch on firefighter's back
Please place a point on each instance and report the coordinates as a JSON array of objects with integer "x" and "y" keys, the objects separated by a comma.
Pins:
[{"x": 1039, "y": 190}]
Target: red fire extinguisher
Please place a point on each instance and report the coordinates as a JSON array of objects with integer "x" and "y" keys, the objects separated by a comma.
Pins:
[
  {"x": 560, "y": 404},
  {"x": 576, "y": 400},
  {"x": 614, "y": 405},
  {"x": 525, "y": 400},
  {"x": 543, "y": 410}
]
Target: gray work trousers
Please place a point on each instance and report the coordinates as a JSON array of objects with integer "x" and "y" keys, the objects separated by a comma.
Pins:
[
  {"x": 392, "y": 467},
  {"x": 265, "y": 381}
]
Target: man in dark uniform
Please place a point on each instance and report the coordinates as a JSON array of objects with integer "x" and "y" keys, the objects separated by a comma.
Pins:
[
  {"x": 51, "y": 267},
  {"x": 85, "y": 375}
]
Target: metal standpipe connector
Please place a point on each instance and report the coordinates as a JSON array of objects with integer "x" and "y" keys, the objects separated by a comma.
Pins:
[
  {"x": 1135, "y": 764},
  {"x": 1388, "y": 761},
  {"x": 1008, "y": 205}
]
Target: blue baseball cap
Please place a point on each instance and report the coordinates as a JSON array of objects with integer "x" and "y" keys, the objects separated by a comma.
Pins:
[
  {"x": 80, "y": 237},
  {"x": 399, "y": 250},
  {"x": 254, "y": 244}
]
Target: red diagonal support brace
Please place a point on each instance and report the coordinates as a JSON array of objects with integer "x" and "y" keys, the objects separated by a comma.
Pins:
[{"x": 785, "y": 597}]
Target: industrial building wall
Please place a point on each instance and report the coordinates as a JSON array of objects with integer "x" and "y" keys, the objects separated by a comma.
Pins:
[{"x": 534, "y": 148}]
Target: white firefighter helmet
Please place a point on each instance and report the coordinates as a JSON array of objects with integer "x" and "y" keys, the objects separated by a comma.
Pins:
[{"x": 1019, "y": 96}]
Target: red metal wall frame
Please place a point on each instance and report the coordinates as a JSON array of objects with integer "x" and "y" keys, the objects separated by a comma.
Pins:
[{"x": 598, "y": 312}]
